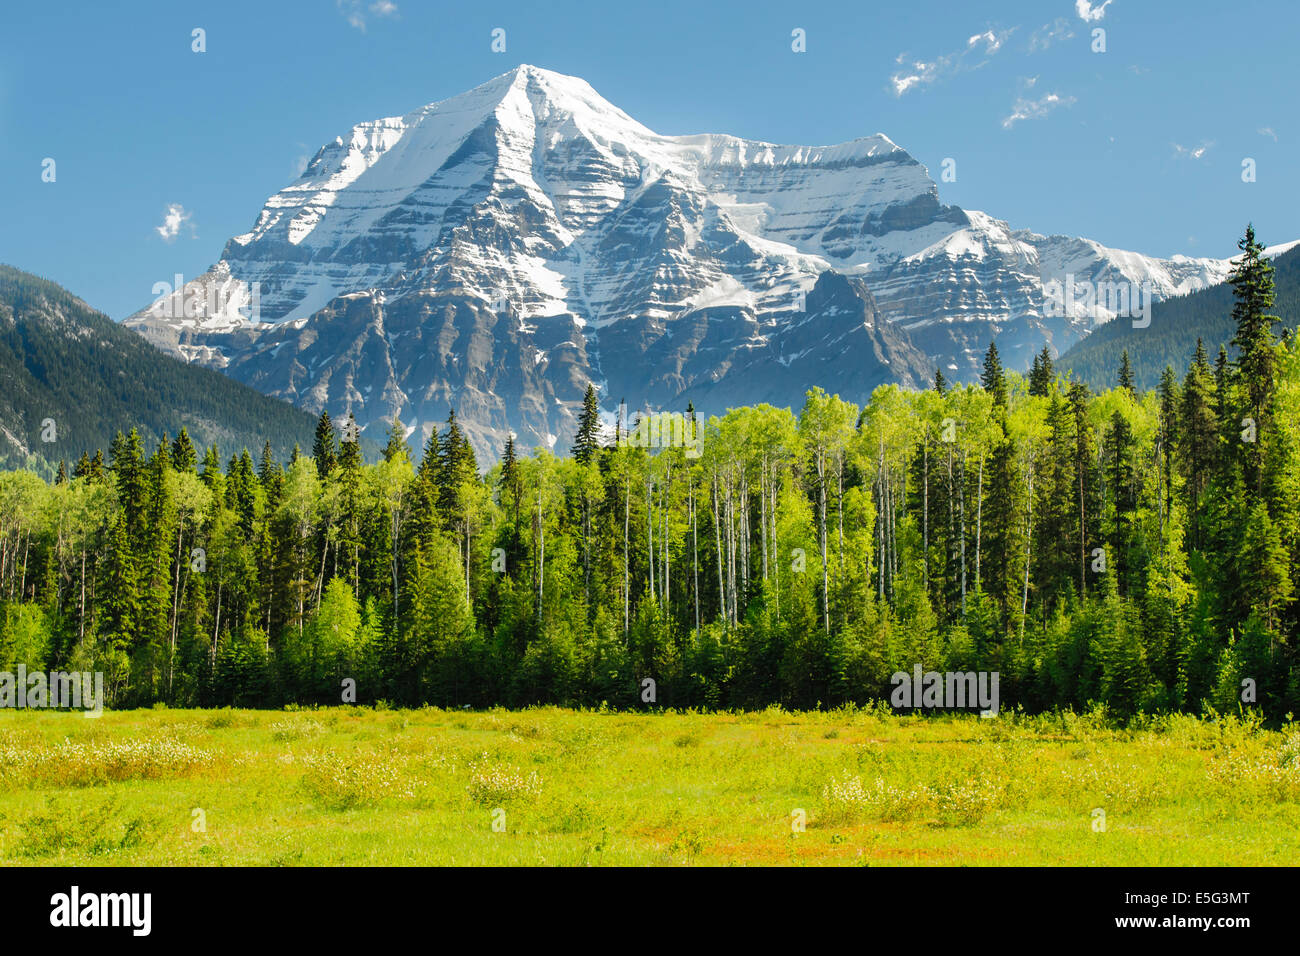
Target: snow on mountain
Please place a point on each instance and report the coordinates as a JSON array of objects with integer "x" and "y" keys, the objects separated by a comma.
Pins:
[{"x": 494, "y": 252}]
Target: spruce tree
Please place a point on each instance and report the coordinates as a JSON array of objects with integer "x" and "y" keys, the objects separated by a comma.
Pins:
[
  {"x": 1126, "y": 374},
  {"x": 511, "y": 489},
  {"x": 994, "y": 379},
  {"x": 397, "y": 448},
  {"x": 269, "y": 468},
  {"x": 587, "y": 442},
  {"x": 1083, "y": 486},
  {"x": 1042, "y": 373},
  {"x": 456, "y": 465},
  {"x": 349, "y": 477},
  {"x": 1118, "y": 448},
  {"x": 1198, "y": 438},
  {"x": 211, "y": 474},
  {"x": 1167, "y": 438},
  {"x": 1252, "y": 286},
  {"x": 184, "y": 457},
  {"x": 324, "y": 448}
]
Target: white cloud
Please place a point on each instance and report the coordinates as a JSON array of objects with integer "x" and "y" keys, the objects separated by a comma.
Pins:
[
  {"x": 354, "y": 11},
  {"x": 173, "y": 220},
  {"x": 1046, "y": 35},
  {"x": 920, "y": 73},
  {"x": 1088, "y": 13},
  {"x": 992, "y": 41},
  {"x": 1192, "y": 152},
  {"x": 1027, "y": 109},
  {"x": 1267, "y": 131}
]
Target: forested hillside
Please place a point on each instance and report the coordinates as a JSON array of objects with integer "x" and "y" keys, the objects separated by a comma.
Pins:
[
  {"x": 70, "y": 377},
  {"x": 1136, "y": 549},
  {"x": 1176, "y": 324}
]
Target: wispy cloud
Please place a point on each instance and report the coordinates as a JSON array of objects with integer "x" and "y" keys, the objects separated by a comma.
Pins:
[
  {"x": 992, "y": 42},
  {"x": 355, "y": 11},
  {"x": 1267, "y": 131},
  {"x": 1025, "y": 108},
  {"x": 1088, "y": 13},
  {"x": 1192, "y": 152},
  {"x": 918, "y": 73},
  {"x": 173, "y": 219},
  {"x": 1042, "y": 38},
  {"x": 301, "y": 161}
]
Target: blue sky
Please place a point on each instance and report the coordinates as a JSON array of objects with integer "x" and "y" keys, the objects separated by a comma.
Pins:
[{"x": 1139, "y": 147}]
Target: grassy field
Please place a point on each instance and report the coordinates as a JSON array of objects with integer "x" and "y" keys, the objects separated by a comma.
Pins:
[{"x": 359, "y": 786}]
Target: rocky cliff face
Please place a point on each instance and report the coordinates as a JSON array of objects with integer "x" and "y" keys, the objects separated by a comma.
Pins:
[{"x": 495, "y": 252}]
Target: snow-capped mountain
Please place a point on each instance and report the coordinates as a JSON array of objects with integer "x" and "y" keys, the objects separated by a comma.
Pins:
[{"x": 494, "y": 252}]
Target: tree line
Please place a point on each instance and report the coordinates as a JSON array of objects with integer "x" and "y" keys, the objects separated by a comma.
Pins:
[{"x": 1136, "y": 549}]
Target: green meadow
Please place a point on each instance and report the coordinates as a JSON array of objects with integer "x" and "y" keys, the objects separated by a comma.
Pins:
[{"x": 857, "y": 787}]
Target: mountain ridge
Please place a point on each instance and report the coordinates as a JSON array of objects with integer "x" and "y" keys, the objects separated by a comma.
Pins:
[
  {"x": 65, "y": 363},
  {"x": 536, "y": 238},
  {"x": 1176, "y": 324}
]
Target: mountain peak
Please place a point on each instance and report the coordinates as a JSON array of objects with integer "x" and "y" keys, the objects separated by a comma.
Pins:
[{"x": 526, "y": 237}]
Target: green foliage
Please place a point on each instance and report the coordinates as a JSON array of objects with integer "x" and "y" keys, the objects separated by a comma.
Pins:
[{"x": 1137, "y": 550}]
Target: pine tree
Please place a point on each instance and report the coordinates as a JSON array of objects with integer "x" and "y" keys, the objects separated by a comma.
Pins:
[
  {"x": 511, "y": 489},
  {"x": 1198, "y": 441},
  {"x": 456, "y": 465},
  {"x": 349, "y": 477},
  {"x": 211, "y": 474},
  {"x": 127, "y": 454},
  {"x": 350, "y": 446},
  {"x": 1084, "y": 495},
  {"x": 121, "y": 588},
  {"x": 1252, "y": 286},
  {"x": 1266, "y": 574},
  {"x": 1042, "y": 374},
  {"x": 1054, "y": 491},
  {"x": 940, "y": 383},
  {"x": 1118, "y": 448},
  {"x": 184, "y": 457},
  {"x": 324, "y": 449},
  {"x": 994, "y": 379},
  {"x": 1222, "y": 384},
  {"x": 1126, "y": 374},
  {"x": 397, "y": 449},
  {"x": 1001, "y": 545},
  {"x": 1167, "y": 441},
  {"x": 269, "y": 469},
  {"x": 458, "y": 472},
  {"x": 587, "y": 442}
]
